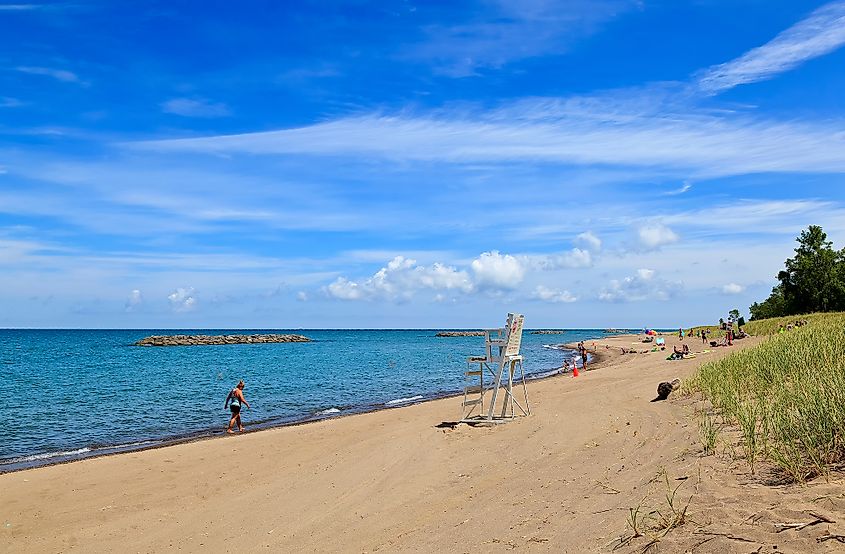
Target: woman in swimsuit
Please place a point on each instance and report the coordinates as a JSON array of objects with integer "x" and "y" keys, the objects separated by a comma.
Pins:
[{"x": 233, "y": 402}]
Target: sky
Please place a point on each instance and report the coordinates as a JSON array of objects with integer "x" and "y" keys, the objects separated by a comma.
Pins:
[{"x": 402, "y": 164}]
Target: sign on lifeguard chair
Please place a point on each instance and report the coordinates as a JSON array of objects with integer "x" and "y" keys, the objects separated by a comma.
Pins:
[{"x": 501, "y": 359}]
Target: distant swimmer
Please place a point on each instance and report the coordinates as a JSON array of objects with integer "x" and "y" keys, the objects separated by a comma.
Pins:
[{"x": 233, "y": 402}]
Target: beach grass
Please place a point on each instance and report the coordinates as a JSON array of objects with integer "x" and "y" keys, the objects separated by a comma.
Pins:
[
  {"x": 770, "y": 326},
  {"x": 786, "y": 395}
]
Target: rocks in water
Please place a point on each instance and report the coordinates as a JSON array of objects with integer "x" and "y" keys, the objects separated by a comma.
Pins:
[
  {"x": 460, "y": 334},
  {"x": 548, "y": 332},
  {"x": 666, "y": 387},
  {"x": 197, "y": 340}
]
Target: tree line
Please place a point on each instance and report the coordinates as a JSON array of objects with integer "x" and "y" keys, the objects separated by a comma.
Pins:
[{"x": 811, "y": 281}]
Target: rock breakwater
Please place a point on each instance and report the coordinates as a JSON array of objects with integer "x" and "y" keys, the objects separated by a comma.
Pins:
[
  {"x": 197, "y": 340},
  {"x": 460, "y": 334}
]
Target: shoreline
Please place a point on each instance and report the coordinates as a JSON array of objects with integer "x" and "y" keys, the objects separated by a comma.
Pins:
[
  {"x": 93, "y": 452},
  {"x": 389, "y": 480}
]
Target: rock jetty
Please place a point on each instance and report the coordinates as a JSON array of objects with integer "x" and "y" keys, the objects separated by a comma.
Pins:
[
  {"x": 460, "y": 334},
  {"x": 548, "y": 332},
  {"x": 196, "y": 340}
]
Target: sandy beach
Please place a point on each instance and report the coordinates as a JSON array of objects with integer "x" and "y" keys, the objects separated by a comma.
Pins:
[{"x": 561, "y": 480}]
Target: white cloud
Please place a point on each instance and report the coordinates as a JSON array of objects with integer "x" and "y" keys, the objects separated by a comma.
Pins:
[
  {"x": 642, "y": 286},
  {"x": 677, "y": 143},
  {"x": 732, "y": 288},
  {"x": 302, "y": 296},
  {"x": 195, "y": 107},
  {"x": 58, "y": 74},
  {"x": 400, "y": 279},
  {"x": 820, "y": 33},
  {"x": 182, "y": 299},
  {"x": 655, "y": 236},
  {"x": 684, "y": 188},
  {"x": 345, "y": 289},
  {"x": 134, "y": 300},
  {"x": 20, "y": 7},
  {"x": 507, "y": 31},
  {"x": 571, "y": 259},
  {"x": 588, "y": 241},
  {"x": 552, "y": 295},
  {"x": 645, "y": 274},
  {"x": 497, "y": 271}
]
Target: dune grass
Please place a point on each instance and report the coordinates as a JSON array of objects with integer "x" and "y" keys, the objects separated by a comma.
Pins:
[
  {"x": 786, "y": 395},
  {"x": 771, "y": 326}
]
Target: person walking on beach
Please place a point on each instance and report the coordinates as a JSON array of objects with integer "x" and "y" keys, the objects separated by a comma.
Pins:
[
  {"x": 583, "y": 351},
  {"x": 234, "y": 402}
]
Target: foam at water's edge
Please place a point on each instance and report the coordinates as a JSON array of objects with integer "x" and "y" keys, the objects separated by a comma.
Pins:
[
  {"x": 44, "y": 456},
  {"x": 404, "y": 400}
]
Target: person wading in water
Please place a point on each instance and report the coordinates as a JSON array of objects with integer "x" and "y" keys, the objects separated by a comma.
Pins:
[{"x": 234, "y": 402}]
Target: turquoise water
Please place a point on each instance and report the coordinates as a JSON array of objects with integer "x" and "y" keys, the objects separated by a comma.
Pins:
[{"x": 77, "y": 393}]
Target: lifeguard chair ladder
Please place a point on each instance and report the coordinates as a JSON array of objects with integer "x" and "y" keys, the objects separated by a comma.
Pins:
[{"x": 501, "y": 355}]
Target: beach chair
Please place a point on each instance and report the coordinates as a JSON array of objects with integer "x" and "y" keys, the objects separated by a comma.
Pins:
[{"x": 503, "y": 363}]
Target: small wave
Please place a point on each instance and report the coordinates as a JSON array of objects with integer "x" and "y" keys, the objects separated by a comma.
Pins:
[
  {"x": 46, "y": 456},
  {"x": 556, "y": 347},
  {"x": 329, "y": 411},
  {"x": 404, "y": 400},
  {"x": 543, "y": 374}
]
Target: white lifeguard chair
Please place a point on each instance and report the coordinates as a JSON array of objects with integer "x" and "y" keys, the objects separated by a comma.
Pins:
[{"x": 500, "y": 360}]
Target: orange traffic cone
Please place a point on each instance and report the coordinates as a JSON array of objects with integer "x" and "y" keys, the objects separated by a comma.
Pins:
[{"x": 574, "y": 370}]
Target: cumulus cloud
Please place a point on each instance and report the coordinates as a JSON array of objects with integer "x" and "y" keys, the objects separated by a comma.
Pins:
[
  {"x": 134, "y": 300},
  {"x": 182, "y": 300},
  {"x": 498, "y": 271},
  {"x": 644, "y": 285},
  {"x": 302, "y": 296},
  {"x": 654, "y": 236},
  {"x": 552, "y": 295},
  {"x": 732, "y": 288},
  {"x": 588, "y": 241},
  {"x": 570, "y": 259},
  {"x": 400, "y": 279}
]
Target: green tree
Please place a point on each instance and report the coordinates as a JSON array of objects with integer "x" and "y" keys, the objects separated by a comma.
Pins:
[
  {"x": 773, "y": 306},
  {"x": 811, "y": 281},
  {"x": 733, "y": 315}
]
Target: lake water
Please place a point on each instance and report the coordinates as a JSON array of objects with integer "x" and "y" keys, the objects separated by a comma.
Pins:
[{"x": 78, "y": 393}]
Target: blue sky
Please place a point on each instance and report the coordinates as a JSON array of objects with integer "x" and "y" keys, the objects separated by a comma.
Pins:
[{"x": 401, "y": 164}]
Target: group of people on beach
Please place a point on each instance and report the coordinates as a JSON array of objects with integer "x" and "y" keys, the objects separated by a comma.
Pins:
[
  {"x": 582, "y": 353},
  {"x": 680, "y": 353},
  {"x": 789, "y": 326}
]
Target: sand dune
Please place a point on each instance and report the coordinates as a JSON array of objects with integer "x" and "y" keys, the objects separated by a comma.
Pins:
[{"x": 561, "y": 480}]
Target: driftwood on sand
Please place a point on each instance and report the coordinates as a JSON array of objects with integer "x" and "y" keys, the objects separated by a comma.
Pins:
[
  {"x": 665, "y": 388},
  {"x": 197, "y": 340}
]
